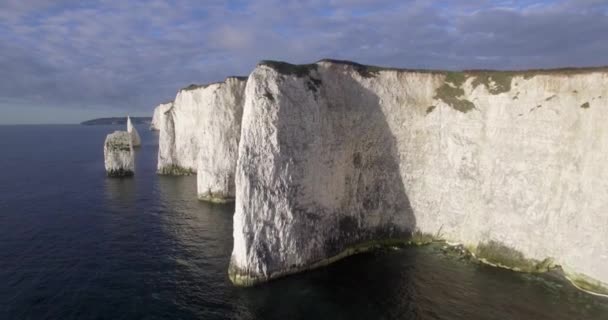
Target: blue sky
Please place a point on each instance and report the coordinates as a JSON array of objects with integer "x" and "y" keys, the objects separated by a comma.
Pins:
[{"x": 65, "y": 61}]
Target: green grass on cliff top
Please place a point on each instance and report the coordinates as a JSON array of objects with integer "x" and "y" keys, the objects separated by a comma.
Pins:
[
  {"x": 205, "y": 85},
  {"x": 303, "y": 69}
]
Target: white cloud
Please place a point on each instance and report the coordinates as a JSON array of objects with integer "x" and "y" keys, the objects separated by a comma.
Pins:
[{"x": 134, "y": 54}]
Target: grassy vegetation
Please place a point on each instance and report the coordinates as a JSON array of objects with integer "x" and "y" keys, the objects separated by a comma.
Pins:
[
  {"x": 175, "y": 170},
  {"x": 119, "y": 145},
  {"x": 240, "y": 78},
  {"x": 119, "y": 141},
  {"x": 498, "y": 254},
  {"x": 457, "y": 79},
  {"x": 215, "y": 197},
  {"x": 451, "y": 92},
  {"x": 495, "y": 81},
  {"x": 298, "y": 70},
  {"x": 202, "y": 86},
  {"x": 420, "y": 238},
  {"x": 194, "y": 87},
  {"x": 244, "y": 278},
  {"x": 588, "y": 284}
]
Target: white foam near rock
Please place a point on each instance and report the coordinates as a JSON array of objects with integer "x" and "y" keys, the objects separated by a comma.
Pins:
[
  {"x": 119, "y": 159},
  {"x": 135, "y": 139},
  {"x": 337, "y": 157},
  {"x": 200, "y": 133}
]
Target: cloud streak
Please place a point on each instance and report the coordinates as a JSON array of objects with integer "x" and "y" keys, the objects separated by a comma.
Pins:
[{"x": 128, "y": 56}]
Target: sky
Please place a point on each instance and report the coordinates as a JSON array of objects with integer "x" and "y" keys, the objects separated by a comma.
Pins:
[{"x": 65, "y": 61}]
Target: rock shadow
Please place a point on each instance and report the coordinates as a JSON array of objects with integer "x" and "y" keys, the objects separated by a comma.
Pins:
[{"x": 349, "y": 195}]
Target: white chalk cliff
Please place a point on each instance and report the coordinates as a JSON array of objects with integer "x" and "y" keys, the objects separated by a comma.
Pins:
[
  {"x": 335, "y": 157},
  {"x": 158, "y": 114},
  {"x": 200, "y": 133},
  {"x": 119, "y": 159},
  {"x": 220, "y": 131},
  {"x": 135, "y": 139}
]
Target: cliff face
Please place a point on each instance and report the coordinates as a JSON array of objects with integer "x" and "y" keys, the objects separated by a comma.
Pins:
[
  {"x": 166, "y": 143},
  {"x": 335, "y": 157},
  {"x": 157, "y": 117},
  {"x": 202, "y": 134},
  {"x": 220, "y": 131}
]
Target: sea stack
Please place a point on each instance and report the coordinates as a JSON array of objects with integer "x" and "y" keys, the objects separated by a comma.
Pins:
[
  {"x": 199, "y": 134},
  {"x": 219, "y": 140},
  {"x": 135, "y": 139},
  {"x": 118, "y": 153},
  {"x": 337, "y": 157}
]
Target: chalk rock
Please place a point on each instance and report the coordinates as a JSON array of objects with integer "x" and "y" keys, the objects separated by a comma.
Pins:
[
  {"x": 119, "y": 159},
  {"x": 202, "y": 132},
  {"x": 335, "y": 157},
  {"x": 220, "y": 131},
  {"x": 159, "y": 113},
  {"x": 135, "y": 139}
]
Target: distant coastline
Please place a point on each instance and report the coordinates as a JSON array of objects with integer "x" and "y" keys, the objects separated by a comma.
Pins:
[{"x": 116, "y": 120}]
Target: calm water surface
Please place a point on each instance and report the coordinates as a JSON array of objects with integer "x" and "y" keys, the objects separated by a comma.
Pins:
[{"x": 77, "y": 245}]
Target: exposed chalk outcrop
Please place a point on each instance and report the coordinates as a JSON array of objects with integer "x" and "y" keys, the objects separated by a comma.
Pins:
[
  {"x": 119, "y": 159},
  {"x": 220, "y": 131},
  {"x": 166, "y": 145},
  {"x": 157, "y": 117},
  {"x": 135, "y": 139},
  {"x": 335, "y": 157},
  {"x": 200, "y": 133}
]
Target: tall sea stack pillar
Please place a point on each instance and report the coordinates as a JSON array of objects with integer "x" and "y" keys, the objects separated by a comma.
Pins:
[
  {"x": 317, "y": 177},
  {"x": 119, "y": 159},
  {"x": 200, "y": 131},
  {"x": 135, "y": 139},
  {"x": 220, "y": 131}
]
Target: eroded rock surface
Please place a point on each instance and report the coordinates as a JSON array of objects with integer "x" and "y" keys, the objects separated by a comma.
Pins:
[
  {"x": 220, "y": 131},
  {"x": 337, "y": 156},
  {"x": 159, "y": 113},
  {"x": 200, "y": 133},
  {"x": 119, "y": 159}
]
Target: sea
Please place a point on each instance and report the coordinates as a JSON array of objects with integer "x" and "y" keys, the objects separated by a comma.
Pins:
[{"x": 75, "y": 244}]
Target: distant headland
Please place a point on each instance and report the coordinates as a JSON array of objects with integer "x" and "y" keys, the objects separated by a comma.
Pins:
[{"x": 117, "y": 120}]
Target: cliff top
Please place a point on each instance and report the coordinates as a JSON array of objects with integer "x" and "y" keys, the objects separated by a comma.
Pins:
[
  {"x": 370, "y": 70},
  {"x": 118, "y": 140},
  {"x": 205, "y": 85}
]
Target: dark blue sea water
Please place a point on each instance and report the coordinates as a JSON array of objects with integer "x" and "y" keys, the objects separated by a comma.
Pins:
[{"x": 77, "y": 245}]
